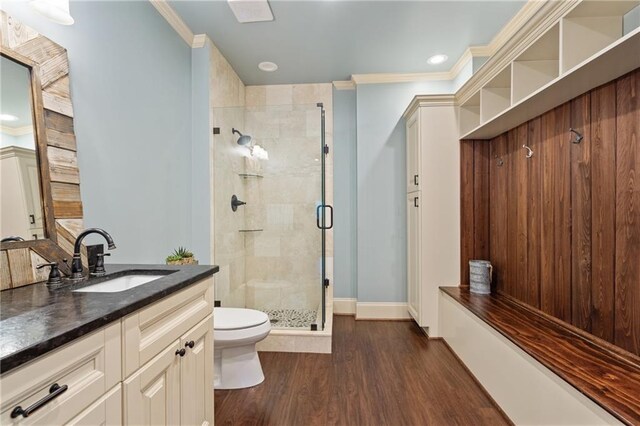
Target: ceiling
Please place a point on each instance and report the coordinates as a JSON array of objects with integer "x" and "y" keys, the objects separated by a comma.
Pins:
[
  {"x": 321, "y": 41},
  {"x": 15, "y": 93}
]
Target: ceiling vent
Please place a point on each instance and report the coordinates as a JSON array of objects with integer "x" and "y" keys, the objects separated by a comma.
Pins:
[{"x": 251, "y": 10}]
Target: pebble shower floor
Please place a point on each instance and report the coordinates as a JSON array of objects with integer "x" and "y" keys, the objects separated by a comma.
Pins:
[{"x": 291, "y": 318}]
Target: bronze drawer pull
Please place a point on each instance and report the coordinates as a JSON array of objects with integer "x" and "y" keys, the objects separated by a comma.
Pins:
[
  {"x": 181, "y": 352},
  {"x": 190, "y": 344},
  {"x": 54, "y": 391}
]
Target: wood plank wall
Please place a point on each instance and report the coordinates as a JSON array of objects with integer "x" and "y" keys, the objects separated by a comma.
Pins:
[{"x": 562, "y": 228}]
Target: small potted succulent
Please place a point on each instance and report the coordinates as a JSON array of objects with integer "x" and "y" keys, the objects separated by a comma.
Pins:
[{"x": 181, "y": 256}]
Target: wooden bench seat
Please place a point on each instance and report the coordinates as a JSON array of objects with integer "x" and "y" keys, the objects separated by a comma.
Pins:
[{"x": 608, "y": 376}]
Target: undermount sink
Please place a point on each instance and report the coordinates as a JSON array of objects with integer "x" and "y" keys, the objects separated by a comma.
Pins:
[{"x": 118, "y": 284}]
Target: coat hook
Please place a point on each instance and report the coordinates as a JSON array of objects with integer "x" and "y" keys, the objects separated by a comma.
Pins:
[
  {"x": 578, "y": 137},
  {"x": 529, "y": 151}
]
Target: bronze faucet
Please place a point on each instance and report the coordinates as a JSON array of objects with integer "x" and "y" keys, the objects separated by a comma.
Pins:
[{"x": 76, "y": 263}]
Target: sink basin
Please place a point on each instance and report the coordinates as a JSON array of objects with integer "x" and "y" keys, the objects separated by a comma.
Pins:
[{"x": 118, "y": 284}]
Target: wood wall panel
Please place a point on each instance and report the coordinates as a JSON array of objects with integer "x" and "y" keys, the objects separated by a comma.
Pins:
[
  {"x": 534, "y": 212},
  {"x": 510, "y": 275},
  {"x": 627, "y": 290},
  {"x": 581, "y": 214},
  {"x": 564, "y": 225},
  {"x": 603, "y": 210},
  {"x": 498, "y": 211},
  {"x": 556, "y": 240},
  {"x": 466, "y": 208},
  {"x": 521, "y": 192},
  {"x": 481, "y": 158}
]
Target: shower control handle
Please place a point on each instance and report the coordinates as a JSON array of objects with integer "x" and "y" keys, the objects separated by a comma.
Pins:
[{"x": 236, "y": 202}]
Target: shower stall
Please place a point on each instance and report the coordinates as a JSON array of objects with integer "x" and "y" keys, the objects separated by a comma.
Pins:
[{"x": 271, "y": 241}]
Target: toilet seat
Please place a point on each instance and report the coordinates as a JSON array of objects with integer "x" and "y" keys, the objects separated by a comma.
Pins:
[{"x": 237, "y": 318}]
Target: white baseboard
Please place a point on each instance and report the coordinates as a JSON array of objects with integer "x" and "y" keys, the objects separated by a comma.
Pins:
[
  {"x": 344, "y": 306},
  {"x": 382, "y": 310}
]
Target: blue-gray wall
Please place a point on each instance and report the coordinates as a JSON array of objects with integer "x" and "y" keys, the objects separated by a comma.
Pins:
[
  {"x": 344, "y": 193},
  {"x": 131, "y": 92},
  {"x": 381, "y": 188}
]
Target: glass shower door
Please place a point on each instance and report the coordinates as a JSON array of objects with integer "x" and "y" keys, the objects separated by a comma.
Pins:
[{"x": 323, "y": 222}]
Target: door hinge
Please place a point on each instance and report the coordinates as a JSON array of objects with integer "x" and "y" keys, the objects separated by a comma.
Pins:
[
  {"x": 326, "y": 149},
  {"x": 216, "y": 130},
  {"x": 326, "y": 282}
]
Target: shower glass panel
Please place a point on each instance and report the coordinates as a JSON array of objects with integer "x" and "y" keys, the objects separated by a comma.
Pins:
[{"x": 270, "y": 250}]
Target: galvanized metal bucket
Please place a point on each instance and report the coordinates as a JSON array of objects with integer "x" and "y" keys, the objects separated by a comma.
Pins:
[{"x": 480, "y": 276}]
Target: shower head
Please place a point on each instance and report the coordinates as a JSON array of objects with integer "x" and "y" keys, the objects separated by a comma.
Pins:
[{"x": 243, "y": 140}]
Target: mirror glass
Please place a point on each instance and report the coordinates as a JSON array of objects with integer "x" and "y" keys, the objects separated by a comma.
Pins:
[{"x": 20, "y": 201}]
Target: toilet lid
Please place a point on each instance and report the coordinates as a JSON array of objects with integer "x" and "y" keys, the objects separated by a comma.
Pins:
[{"x": 236, "y": 318}]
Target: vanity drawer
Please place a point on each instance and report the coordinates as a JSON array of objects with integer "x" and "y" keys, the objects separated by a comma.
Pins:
[
  {"x": 88, "y": 366},
  {"x": 105, "y": 411},
  {"x": 150, "y": 330}
]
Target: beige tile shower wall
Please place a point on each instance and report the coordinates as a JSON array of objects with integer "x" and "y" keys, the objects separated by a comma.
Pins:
[
  {"x": 227, "y": 97},
  {"x": 283, "y": 261}
]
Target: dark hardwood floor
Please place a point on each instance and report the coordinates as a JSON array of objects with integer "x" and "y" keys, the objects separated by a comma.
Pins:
[{"x": 380, "y": 373}]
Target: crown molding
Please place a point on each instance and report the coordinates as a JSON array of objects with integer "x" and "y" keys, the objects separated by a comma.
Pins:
[
  {"x": 16, "y": 131},
  {"x": 174, "y": 20},
  {"x": 383, "y": 78},
  {"x": 429, "y": 101},
  {"x": 199, "y": 40},
  {"x": 344, "y": 85}
]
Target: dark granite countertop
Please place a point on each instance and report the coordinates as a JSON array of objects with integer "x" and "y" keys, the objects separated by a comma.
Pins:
[{"x": 35, "y": 319}]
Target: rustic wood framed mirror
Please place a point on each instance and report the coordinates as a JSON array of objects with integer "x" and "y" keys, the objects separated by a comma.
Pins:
[{"x": 47, "y": 72}]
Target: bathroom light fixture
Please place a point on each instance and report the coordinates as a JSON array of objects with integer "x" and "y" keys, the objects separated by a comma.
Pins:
[
  {"x": 8, "y": 117},
  {"x": 437, "y": 59},
  {"x": 247, "y": 11},
  {"x": 267, "y": 66},
  {"x": 56, "y": 10}
]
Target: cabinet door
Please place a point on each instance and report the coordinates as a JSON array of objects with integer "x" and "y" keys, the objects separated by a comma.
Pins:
[
  {"x": 152, "y": 394},
  {"x": 413, "y": 254},
  {"x": 196, "y": 375},
  {"x": 413, "y": 153}
]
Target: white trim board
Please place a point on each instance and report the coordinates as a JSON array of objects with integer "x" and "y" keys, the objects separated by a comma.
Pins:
[
  {"x": 382, "y": 311},
  {"x": 344, "y": 306},
  {"x": 176, "y": 22}
]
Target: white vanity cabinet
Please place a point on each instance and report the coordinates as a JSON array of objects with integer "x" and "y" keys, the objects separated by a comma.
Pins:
[
  {"x": 433, "y": 205},
  {"x": 152, "y": 367}
]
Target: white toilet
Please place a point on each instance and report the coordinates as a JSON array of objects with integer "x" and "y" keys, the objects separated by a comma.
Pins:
[{"x": 235, "y": 334}]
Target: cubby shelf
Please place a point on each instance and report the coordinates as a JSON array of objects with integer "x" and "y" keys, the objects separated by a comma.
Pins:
[{"x": 585, "y": 49}]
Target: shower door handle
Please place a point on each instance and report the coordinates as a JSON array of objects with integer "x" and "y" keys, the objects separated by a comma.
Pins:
[{"x": 322, "y": 206}]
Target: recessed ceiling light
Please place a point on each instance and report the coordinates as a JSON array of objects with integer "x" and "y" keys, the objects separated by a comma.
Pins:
[
  {"x": 437, "y": 59},
  {"x": 251, "y": 10},
  {"x": 267, "y": 66},
  {"x": 8, "y": 117}
]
